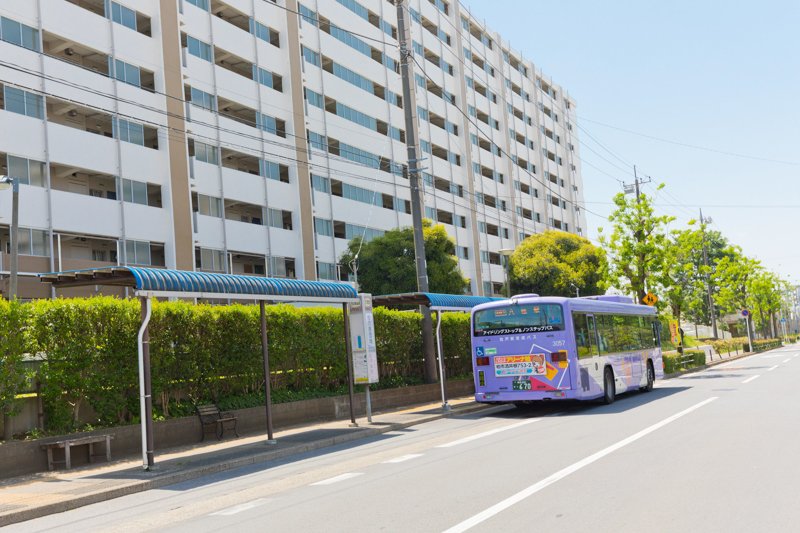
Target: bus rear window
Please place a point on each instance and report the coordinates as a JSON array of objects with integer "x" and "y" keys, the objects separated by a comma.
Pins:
[{"x": 518, "y": 319}]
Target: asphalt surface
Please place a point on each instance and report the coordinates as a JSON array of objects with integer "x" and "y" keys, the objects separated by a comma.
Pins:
[{"x": 709, "y": 451}]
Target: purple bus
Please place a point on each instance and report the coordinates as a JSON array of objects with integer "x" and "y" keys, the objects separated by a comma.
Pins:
[{"x": 530, "y": 348}]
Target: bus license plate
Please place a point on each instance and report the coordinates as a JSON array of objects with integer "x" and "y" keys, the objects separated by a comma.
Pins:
[{"x": 521, "y": 384}]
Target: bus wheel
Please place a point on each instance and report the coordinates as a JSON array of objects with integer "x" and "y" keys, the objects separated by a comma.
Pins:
[
  {"x": 609, "y": 387},
  {"x": 651, "y": 378}
]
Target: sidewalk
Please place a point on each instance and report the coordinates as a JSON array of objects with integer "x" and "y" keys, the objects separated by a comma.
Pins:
[{"x": 33, "y": 496}]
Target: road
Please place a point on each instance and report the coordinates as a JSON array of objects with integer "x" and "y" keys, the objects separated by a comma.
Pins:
[{"x": 710, "y": 451}]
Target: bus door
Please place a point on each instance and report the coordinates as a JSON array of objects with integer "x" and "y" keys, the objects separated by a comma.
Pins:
[{"x": 590, "y": 378}]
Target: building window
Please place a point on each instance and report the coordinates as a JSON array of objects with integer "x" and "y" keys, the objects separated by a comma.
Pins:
[
  {"x": 23, "y": 102},
  {"x": 326, "y": 271},
  {"x": 321, "y": 184},
  {"x": 27, "y": 171},
  {"x": 33, "y": 242},
  {"x": 268, "y": 79},
  {"x": 462, "y": 252},
  {"x": 137, "y": 252},
  {"x": 202, "y": 4},
  {"x": 122, "y": 15},
  {"x": 128, "y": 131},
  {"x": 124, "y": 72},
  {"x": 209, "y": 205},
  {"x": 205, "y": 152},
  {"x": 13, "y": 32},
  {"x": 279, "y": 218},
  {"x": 210, "y": 260},
  {"x": 323, "y": 227},
  {"x": 198, "y": 48},
  {"x": 274, "y": 171},
  {"x": 134, "y": 192},
  {"x": 203, "y": 99},
  {"x": 265, "y": 33},
  {"x": 271, "y": 125}
]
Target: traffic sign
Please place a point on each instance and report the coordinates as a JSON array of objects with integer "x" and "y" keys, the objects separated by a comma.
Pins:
[
  {"x": 783, "y": 321},
  {"x": 745, "y": 313},
  {"x": 650, "y": 299}
]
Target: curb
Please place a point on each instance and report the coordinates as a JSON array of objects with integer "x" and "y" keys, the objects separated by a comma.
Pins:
[{"x": 170, "y": 478}]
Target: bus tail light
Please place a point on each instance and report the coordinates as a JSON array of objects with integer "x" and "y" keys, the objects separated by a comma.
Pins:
[
  {"x": 559, "y": 356},
  {"x": 482, "y": 361}
]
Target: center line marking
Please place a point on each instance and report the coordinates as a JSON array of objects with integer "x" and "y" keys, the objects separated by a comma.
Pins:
[
  {"x": 786, "y": 360},
  {"x": 239, "y": 508},
  {"x": 770, "y": 369},
  {"x": 403, "y": 458},
  {"x": 487, "y": 433},
  {"x": 751, "y": 378},
  {"x": 536, "y": 487},
  {"x": 337, "y": 479}
]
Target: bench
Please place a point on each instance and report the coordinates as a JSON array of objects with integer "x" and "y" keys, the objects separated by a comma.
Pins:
[
  {"x": 67, "y": 444},
  {"x": 211, "y": 416}
]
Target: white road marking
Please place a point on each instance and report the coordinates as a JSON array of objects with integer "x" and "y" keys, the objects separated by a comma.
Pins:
[
  {"x": 770, "y": 369},
  {"x": 239, "y": 508},
  {"x": 487, "y": 433},
  {"x": 751, "y": 378},
  {"x": 337, "y": 479},
  {"x": 786, "y": 360},
  {"x": 533, "y": 489},
  {"x": 403, "y": 458}
]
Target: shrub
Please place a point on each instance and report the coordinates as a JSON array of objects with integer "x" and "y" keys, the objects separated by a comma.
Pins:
[{"x": 210, "y": 353}]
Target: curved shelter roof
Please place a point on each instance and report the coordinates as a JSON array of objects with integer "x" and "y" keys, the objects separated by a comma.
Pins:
[
  {"x": 436, "y": 301},
  {"x": 184, "y": 283}
]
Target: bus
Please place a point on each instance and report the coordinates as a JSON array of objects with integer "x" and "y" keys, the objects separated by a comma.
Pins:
[{"x": 530, "y": 348}]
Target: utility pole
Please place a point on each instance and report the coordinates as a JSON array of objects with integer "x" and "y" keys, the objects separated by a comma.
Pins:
[
  {"x": 627, "y": 189},
  {"x": 711, "y": 310},
  {"x": 412, "y": 146}
]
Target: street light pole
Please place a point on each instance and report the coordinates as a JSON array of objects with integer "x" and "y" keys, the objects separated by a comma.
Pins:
[{"x": 13, "y": 183}]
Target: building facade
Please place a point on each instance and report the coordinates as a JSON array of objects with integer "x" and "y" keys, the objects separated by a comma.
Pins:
[{"x": 259, "y": 137}]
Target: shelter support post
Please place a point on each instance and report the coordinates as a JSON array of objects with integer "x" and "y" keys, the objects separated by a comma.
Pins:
[
  {"x": 145, "y": 385},
  {"x": 445, "y": 405},
  {"x": 267, "y": 385},
  {"x": 349, "y": 353}
]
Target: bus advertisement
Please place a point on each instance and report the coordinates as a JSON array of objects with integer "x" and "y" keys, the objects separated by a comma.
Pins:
[{"x": 531, "y": 348}]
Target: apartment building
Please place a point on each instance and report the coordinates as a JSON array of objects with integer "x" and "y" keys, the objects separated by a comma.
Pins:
[{"x": 258, "y": 137}]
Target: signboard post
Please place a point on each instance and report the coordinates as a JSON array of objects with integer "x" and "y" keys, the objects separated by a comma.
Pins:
[
  {"x": 362, "y": 341},
  {"x": 746, "y": 315}
]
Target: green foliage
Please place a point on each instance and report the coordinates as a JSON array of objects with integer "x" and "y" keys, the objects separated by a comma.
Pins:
[
  {"x": 689, "y": 359},
  {"x": 551, "y": 263},
  {"x": 636, "y": 245},
  {"x": 13, "y": 377},
  {"x": 386, "y": 264},
  {"x": 202, "y": 353}
]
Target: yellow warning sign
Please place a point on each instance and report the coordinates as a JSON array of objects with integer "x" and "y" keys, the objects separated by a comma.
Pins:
[{"x": 650, "y": 299}]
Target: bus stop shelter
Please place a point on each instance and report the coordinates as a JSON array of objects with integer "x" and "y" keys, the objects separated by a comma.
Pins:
[
  {"x": 435, "y": 302},
  {"x": 149, "y": 283}
]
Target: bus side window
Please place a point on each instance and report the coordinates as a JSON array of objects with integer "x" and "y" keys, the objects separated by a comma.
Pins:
[{"x": 604, "y": 331}]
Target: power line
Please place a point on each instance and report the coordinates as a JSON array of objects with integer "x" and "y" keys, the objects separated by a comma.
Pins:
[{"x": 694, "y": 146}]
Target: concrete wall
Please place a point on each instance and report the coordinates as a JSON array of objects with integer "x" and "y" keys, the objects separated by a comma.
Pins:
[{"x": 27, "y": 457}]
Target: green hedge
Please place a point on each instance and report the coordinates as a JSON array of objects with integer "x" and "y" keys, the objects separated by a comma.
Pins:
[
  {"x": 13, "y": 377},
  {"x": 677, "y": 362},
  {"x": 204, "y": 353}
]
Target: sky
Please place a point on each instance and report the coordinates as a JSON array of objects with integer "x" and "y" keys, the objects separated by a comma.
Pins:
[{"x": 721, "y": 76}]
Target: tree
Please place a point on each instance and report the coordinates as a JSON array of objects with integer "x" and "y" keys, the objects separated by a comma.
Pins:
[
  {"x": 637, "y": 244},
  {"x": 717, "y": 247},
  {"x": 553, "y": 262},
  {"x": 680, "y": 279},
  {"x": 386, "y": 265},
  {"x": 732, "y": 276}
]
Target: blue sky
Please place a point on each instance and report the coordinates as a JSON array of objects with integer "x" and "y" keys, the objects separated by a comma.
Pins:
[{"x": 723, "y": 75}]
